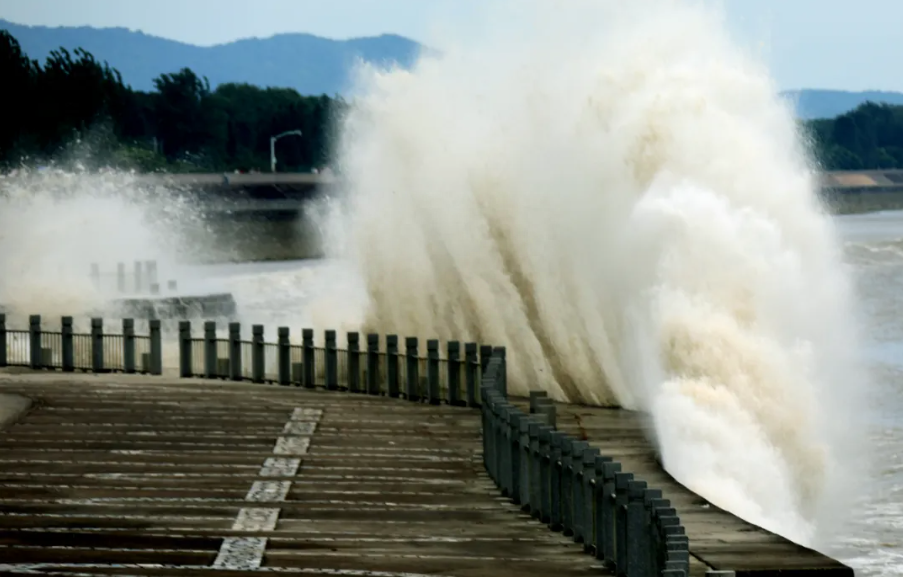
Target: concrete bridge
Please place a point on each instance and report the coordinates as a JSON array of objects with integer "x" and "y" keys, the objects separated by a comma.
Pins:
[
  {"x": 843, "y": 180},
  {"x": 279, "y": 196}
]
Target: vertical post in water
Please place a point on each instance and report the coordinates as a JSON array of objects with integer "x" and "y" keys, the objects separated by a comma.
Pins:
[
  {"x": 120, "y": 277},
  {"x": 128, "y": 346},
  {"x": 156, "y": 347},
  {"x": 235, "y": 351},
  {"x": 185, "y": 360},
  {"x": 257, "y": 354},
  {"x": 95, "y": 275},
  {"x": 332, "y": 361},
  {"x": 454, "y": 373},
  {"x": 412, "y": 383},
  {"x": 432, "y": 371},
  {"x": 284, "y": 356},
  {"x": 68, "y": 344},
  {"x": 354, "y": 363},
  {"x": 471, "y": 366},
  {"x": 373, "y": 364},
  {"x": 151, "y": 268},
  {"x": 34, "y": 341},
  {"x": 139, "y": 280},
  {"x": 97, "y": 345},
  {"x": 309, "y": 358},
  {"x": 209, "y": 349},
  {"x": 392, "y": 365}
]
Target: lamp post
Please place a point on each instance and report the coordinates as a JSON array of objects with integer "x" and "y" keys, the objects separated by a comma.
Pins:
[{"x": 273, "y": 140}]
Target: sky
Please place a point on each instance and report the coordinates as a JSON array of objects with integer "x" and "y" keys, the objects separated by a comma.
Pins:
[{"x": 834, "y": 44}]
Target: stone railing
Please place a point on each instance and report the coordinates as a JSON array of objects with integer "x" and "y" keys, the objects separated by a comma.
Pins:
[
  {"x": 93, "y": 351},
  {"x": 571, "y": 487},
  {"x": 557, "y": 479}
]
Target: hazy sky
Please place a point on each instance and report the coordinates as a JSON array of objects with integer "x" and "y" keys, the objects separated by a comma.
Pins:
[{"x": 847, "y": 44}]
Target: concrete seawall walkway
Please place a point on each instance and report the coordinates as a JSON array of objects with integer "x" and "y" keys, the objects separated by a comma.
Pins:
[{"x": 121, "y": 475}]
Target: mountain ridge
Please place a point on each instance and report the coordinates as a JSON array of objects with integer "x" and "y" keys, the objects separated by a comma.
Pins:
[{"x": 308, "y": 63}]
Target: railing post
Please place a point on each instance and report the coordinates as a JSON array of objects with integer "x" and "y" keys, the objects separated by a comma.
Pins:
[
  {"x": 470, "y": 373},
  {"x": 566, "y": 486},
  {"x": 3, "y": 358},
  {"x": 309, "y": 358},
  {"x": 412, "y": 383},
  {"x": 210, "y": 349},
  {"x": 432, "y": 371},
  {"x": 535, "y": 396},
  {"x": 283, "y": 356},
  {"x": 332, "y": 361},
  {"x": 655, "y": 544},
  {"x": 185, "y": 360},
  {"x": 97, "y": 345},
  {"x": 128, "y": 346},
  {"x": 592, "y": 513},
  {"x": 583, "y": 469},
  {"x": 656, "y": 505},
  {"x": 392, "y": 365},
  {"x": 34, "y": 341},
  {"x": 484, "y": 428},
  {"x": 535, "y": 470},
  {"x": 525, "y": 458},
  {"x": 354, "y": 363},
  {"x": 454, "y": 373},
  {"x": 373, "y": 364},
  {"x": 556, "y": 442},
  {"x": 514, "y": 419},
  {"x": 606, "y": 536},
  {"x": 68, "y": 345},
  {"x": 499, "y": 352},
  {"x": 258, "y": 366},
  {"x": 491, "y": 440},
  {"x": 502, "y": 441},
  {"x": 156, "y": 347},
  {"x": 621, "y": 483},
  {"x": 545, "y": 475},
  {"x": 677, "y": 554},
  {"x": 569, "y": 464},
  {"x": 485, "y": 357},
  {"x": 235, "y": 368},
  {"x": 546, "y": 409}
]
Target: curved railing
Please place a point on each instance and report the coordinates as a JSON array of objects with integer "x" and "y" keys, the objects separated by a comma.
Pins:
[
  {"x": 559, "y": 480},
  {"x": 571, "y": 487}
]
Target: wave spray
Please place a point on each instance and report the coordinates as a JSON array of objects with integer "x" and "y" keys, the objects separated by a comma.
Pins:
[
  {"x": 617, "y": 193},
  {"x": 55, "y": 223}
]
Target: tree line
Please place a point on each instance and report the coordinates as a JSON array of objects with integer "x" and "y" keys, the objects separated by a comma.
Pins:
[
  {"x": 72, "y": 99},
  {"x": 184, "y": 125},
  {"x": 868, "y": 137}
]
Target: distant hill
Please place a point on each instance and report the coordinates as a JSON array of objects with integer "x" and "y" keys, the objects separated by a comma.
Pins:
[
  {"x": 310, "y": 64},
  {"x": 830, "y": 103}
]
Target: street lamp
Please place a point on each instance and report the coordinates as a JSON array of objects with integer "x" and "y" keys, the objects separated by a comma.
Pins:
[{"x": 273, "y": 140}]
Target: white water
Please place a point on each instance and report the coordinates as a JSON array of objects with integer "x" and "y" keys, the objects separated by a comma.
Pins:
[
  {"x": 55, "y": 224},
  {"x": 616, "y": 193}
]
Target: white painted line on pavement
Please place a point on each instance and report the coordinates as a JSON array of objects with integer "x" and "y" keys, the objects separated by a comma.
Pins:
[{"x": 246, "y": 553}]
